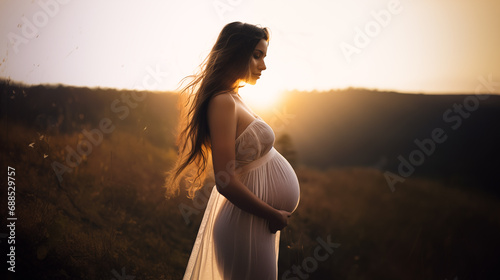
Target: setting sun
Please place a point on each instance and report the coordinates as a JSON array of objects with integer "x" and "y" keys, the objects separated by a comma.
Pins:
[
  {"x": 261, "y": 97},
  {"x": 383, "y": 44}
]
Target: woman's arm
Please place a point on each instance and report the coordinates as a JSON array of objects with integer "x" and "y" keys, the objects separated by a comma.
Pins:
[{"x": 222, "y": 120}]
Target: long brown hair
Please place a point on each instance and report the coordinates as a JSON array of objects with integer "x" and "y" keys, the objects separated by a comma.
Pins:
[{"x": 225, "y": 66}]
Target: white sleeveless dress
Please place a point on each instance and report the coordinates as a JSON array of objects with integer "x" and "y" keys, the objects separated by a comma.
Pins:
[{"x": 233, "y": 244}]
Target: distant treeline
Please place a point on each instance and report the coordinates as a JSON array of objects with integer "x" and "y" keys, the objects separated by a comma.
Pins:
[
  {"x": 64, "y": 109},
  {"x": 453, "y": 138}
]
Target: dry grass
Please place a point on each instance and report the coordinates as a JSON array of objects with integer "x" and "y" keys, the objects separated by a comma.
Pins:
[{"x": 110, "y": 213}]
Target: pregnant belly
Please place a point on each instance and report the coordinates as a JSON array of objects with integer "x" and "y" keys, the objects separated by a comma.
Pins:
[
  {"x": 284, "y": 185},
  {"x": 275, "y": 182}
]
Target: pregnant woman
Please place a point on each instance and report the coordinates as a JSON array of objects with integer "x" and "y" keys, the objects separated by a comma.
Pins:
[{"x": 256, "y": 188}]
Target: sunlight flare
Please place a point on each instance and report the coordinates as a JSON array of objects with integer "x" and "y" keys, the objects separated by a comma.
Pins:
[{"x": 261, "y": 98}]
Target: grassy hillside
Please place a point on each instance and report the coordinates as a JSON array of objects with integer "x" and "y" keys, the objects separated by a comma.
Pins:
[
  {"x": 338, "y": 128},
  {"x": 107, "y": 218},
  {"x": 110, "y": 213}
]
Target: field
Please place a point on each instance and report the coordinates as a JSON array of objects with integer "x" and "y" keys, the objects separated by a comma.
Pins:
[{"x": 107, "y": 217}]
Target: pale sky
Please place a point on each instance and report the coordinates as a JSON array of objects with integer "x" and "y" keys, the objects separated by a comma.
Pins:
[{"x": 429, "y": 46}]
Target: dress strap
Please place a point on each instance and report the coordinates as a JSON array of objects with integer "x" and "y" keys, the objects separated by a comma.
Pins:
[{"x": 256, "y": 163}]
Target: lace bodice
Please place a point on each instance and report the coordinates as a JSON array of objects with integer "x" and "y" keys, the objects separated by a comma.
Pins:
[{"x": 254, "y": 142}]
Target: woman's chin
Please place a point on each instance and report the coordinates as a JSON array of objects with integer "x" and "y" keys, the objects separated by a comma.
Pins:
[{"x": 251, "y": 82}]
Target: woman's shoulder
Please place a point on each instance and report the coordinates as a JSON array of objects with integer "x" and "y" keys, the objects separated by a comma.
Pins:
[
  {"x": 222, "y": 101},
  {"x": 221, "y": 109}
]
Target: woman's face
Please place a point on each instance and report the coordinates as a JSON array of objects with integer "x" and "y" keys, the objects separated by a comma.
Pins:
[{"x": 257, "y": 64}]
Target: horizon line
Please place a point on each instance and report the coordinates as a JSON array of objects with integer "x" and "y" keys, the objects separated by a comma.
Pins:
[{"x": 9, "y": 81}]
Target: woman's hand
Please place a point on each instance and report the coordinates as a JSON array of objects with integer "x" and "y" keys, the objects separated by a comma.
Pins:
[{"x": 279, "y": 220}]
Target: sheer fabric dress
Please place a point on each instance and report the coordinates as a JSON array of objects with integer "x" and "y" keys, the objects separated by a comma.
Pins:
[{"x": 233, "y": 244}]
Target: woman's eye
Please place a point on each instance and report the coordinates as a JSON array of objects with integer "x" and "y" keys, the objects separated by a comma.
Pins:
[{"x": 256, "y": 56}]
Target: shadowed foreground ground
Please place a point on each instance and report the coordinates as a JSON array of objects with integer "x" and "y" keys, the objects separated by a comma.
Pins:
[{"x": 108, "y": 218}]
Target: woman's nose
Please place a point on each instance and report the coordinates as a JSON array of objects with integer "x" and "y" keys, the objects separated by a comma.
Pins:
[{"x": 262, "y": 66}]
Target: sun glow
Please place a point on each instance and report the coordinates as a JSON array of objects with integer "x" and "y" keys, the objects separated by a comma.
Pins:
[
  {"x": 170, "y": 39},
  {"x": 260, "y": 98}
]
